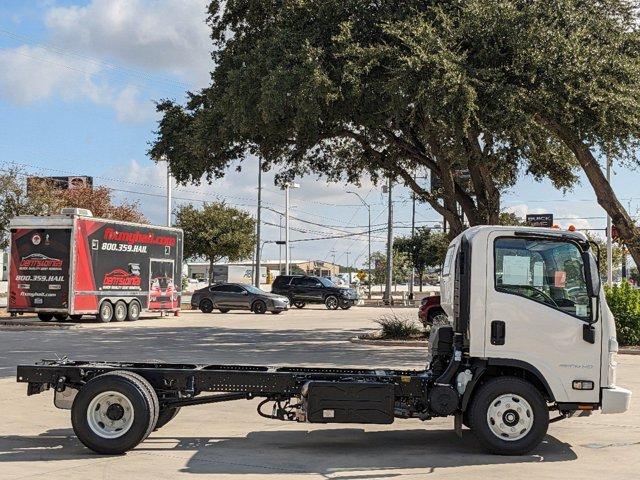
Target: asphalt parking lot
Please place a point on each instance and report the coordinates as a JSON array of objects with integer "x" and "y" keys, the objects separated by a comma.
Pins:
[{"x": 231, "y": 441}]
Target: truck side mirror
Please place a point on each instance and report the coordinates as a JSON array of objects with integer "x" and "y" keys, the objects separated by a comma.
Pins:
[{"x": 592, "y": 276}]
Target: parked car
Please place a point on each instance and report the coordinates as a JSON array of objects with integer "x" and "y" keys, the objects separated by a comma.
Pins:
[
  {"x": 430, "y": 311},
  {"x": 303, "y": 289},
  {"x": 237, "y": 296}
]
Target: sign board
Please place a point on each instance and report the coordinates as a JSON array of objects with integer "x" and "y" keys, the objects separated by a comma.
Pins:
[
  {"x": 62, "y": 183},
  {"x": 540, "y": 220}
]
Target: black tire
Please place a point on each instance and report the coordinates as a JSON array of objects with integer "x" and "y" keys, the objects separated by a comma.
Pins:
[
  {"x": 299, "y": 304},
  {"x": 206, "y": 306},
  {"x": 224, "y": 310},
  {"x": 60, "y": 317},
  {"x": 45, "y": 317},
  {"x": 490, "y": 397},
  {"x": 331, "y": 302},
  {"x": 105, "y": 314},
  {"x": 75, "y": 318},
  {"x": 128, "y": 386},
  {"x": 276, "y": 312},
  {"x": 345, "y": 305},
  {"x": 259, "y": 307},
  {"x": 166, "y": 415},
  {"x": 120, "y": 311},
  {"x": 133, "y": 311}
]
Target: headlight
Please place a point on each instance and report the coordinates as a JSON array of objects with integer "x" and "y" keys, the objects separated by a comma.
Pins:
[{"x": 345, "y": 293}]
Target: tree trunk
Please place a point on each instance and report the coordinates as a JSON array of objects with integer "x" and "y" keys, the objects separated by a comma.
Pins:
[{"x": 627, "y": 229}]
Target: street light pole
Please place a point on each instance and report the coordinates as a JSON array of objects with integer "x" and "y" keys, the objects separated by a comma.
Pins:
[
  {"x": 369, "y": 235},
  {"x": 609, "y": 234},
  {"x": 256, "y": 277},
  {"x": 286, "y": 226},
  {"x": 168, "y": 195},
  {"x": 389, "y": 283}
]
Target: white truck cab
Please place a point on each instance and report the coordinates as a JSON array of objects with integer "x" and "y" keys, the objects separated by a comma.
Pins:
[{"x": 528, "y": 302}]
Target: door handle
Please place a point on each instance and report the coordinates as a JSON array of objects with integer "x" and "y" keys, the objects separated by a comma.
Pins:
[{"x": 497, "y": 332}]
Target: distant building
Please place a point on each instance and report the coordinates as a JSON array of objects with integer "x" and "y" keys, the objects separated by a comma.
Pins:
[{"x": 222, "y": 271}]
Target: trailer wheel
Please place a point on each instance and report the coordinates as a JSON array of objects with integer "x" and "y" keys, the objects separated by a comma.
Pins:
[
  {"x": 60, "y": 317},
  {"x": 105, "y": 314},
  {"x": 75, "y": 318},
  {"x": 331, "y": 302},
  {"x": 114, "y": 412},
  {"x": 259, "y": 307},
  {"x": 224, "y": 310},
  {"x": 206, "y": 306},
  {"x": 509, "y": 416},
  {"x": 45, "y": 317},
  {"x": 133, "y": 311},
  {"x": 120, "y": 311},
  {"x": 166, "y": 415}
]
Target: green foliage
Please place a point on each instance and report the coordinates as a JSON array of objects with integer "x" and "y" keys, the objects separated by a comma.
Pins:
[
  {"x": 393, "y": 327},
  {"x": 507, "y": 218},
  {"x": 616, "y": 250},
  {"x": 425, "y": 249},
  {"x": 215, "y": 232},
  {"x": 401, "y": 267},
  {"x": 624, "y": 303}
]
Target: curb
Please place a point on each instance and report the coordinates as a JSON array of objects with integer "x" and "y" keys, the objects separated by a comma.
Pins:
[
  {"x": 389, "y": 343},
  {"x": 629, "y": 351}
]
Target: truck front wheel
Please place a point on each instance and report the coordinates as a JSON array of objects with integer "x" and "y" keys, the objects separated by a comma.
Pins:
[
  {"x": 105, "y": 314},
  {"x": 114, "y": 412},
  {"x": 509, "y": 416}
]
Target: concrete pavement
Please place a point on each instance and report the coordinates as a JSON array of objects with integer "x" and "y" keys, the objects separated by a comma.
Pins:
[{"x": 231, "y": 441}]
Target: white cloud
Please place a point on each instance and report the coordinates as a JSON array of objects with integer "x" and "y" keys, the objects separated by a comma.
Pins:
[
  {"x": 162, "y": 35},
  {"x": 32, "y": 74}
]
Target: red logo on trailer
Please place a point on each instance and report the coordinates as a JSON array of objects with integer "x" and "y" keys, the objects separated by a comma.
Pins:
[
  {"x": 40, "y": 261},
  {"x": 121, "y": 278}
]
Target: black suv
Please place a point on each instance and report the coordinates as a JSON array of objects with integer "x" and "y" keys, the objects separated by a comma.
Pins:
[{"x": 302, "y": 289}]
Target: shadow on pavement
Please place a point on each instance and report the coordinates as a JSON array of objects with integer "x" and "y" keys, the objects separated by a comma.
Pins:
[{"x": 325, "y": 452}]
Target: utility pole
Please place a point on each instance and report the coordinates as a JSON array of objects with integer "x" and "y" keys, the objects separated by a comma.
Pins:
[
  {"x": 389, "y": 282},
  {"x": 287, "y": 250},
  {"x": 369, "y": 235},
  {"x": 413, "y": 228},
  {"x": 168, "y": 195},
  {"x": 348, "y": 273},
  {"x": 280, "y": 246},
  {"x": 256, "y": 277},
  {"x": 609, "y": 233}
]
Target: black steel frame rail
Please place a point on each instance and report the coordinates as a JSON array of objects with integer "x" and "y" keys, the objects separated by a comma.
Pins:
[{"x": 193, "y": 379}]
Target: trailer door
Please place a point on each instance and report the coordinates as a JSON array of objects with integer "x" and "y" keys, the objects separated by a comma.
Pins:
[
  {"x": 163, "y": 293},
  {"x": 39, "y": 269}
]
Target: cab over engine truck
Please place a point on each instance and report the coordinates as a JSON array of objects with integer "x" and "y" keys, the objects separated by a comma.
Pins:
[{"x": 531, "y": 341}]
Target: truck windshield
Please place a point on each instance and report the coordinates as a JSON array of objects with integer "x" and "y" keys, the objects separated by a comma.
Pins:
[{"x": 545, "y": 271}]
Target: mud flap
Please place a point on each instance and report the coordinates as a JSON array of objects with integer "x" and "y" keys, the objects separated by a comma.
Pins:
[{"x": 457, "y": 424}]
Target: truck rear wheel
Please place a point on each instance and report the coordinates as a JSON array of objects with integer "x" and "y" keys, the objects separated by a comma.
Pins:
[
  {"x": 133, "y": 311},
  {"x": 45, "y": 317},
  {"x": 509, "y": 416},
  {"x": 114, "y": 412},
  {"x": 166, "y": 415},
  {"x": 120, "y": 311},
  {"x": 105, "y": 314}
]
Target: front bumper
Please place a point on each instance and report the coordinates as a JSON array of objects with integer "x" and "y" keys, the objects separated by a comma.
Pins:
[{"x": 615, "y": 400}]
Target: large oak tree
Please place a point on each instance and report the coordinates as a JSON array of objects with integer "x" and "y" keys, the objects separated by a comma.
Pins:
[{"x": 347, "y": 88}]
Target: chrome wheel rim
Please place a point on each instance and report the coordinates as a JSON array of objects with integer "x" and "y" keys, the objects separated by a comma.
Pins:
[
  {"x": 105, "y": 311},
  {"x": 110, "y": 414},
  {"x": 134, "y": 311},
  {"x": 510, "y": 417},
  {"x": 121, "y": 312},
  {"x": 332, "y": 303}
]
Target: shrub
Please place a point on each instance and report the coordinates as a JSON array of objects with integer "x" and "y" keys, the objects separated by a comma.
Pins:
[
  {"x": 624, "y": 302},
  {"x": 395, "y": 328}
]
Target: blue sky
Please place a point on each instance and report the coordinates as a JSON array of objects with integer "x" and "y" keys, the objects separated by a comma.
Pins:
[{"x": 77, "y": 86}]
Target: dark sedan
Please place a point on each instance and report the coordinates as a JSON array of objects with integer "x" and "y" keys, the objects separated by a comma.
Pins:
[{"x": 237, "y": 296}]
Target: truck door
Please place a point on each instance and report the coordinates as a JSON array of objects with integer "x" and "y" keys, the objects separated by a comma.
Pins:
[{"x": 537, "y": 309}]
